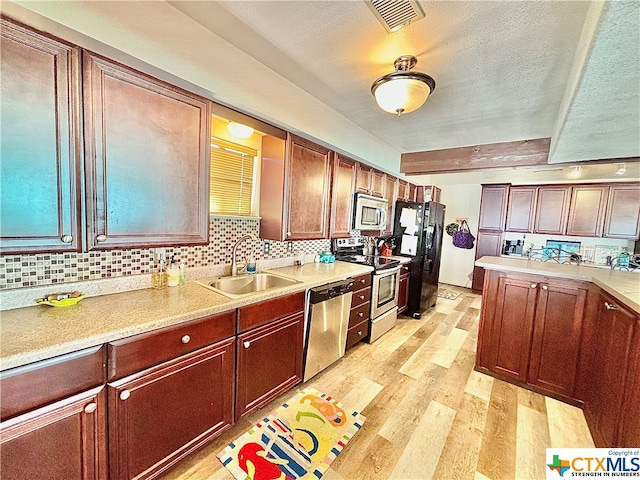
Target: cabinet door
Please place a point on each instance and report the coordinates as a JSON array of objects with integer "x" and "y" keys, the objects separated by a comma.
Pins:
[
  {"x": 556, "y": 337},
  {"x": 490, "y": 244},
  {"x": 552, "y": 209},
  {"x": 412, "y": 193},
  {"x": 507, "y": 325},
  {"x": 64, "y": 440},
  {"x": 308, "y": 183},
  {"x": 269, "y": 363},
  {"x": 390, "y": 194},
  {"x": 623, "y": 212},
  {"x": 160, "y": 415},
  {"x": 630, "y": 425},
  {"x": 363, "y": 178},
  {"x": 403, "y": 293},
  {"x": 377, "y": 183},
  {"x": 493, "y": 207},
  {"x": 147, "y": 159},
  {"x": 342, "y": 196},
  {"x": 39, "y": 151},
  {"x": 586, "y": 213},
  {"x": 603, "y": 406},
  {"x": 403, "y": 191},
  {"x": 521, "y": 209}
]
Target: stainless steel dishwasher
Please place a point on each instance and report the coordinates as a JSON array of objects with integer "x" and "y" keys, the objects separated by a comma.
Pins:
[{"x": 329, "y": 307}]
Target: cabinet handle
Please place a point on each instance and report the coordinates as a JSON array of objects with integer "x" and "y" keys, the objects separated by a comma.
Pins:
[
  {"x": 90, "y": 408},
  {"x": 359, "y": 333},
  {"x": 544, "y": 287},
  {"x": 125, "y": 394},
  {"x": 66, "y": 239},
  {"x": 185, "y": 339},
  {"x": 361, "y": 314},
  {"x": 247, "y": 344},
  {"x": 534, "y": 285},
  {"x": 361, "y": 297},
  {"x": 288, "y": 234},
  {"x": 363, "y": 281},
  {"x": 101, "y": 238},
  {"x": 609, "y": 306}
]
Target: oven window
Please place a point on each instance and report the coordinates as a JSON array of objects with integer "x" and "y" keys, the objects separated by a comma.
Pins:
[
  {"x": 369, "y": 215},
  {"x": 386, "y": 289}
]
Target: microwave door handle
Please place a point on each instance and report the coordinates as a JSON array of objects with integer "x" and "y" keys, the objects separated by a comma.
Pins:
[{"x": 383, "y": 219}]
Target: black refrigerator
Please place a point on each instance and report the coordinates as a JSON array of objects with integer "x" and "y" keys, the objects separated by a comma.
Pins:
[{"x": 417, "y": 231}]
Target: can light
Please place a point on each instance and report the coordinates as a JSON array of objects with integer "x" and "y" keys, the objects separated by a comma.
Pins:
[{"x": 403, "y": 91}]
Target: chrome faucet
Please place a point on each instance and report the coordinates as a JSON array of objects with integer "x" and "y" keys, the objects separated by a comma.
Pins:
[{"x": 234, "y": 263}]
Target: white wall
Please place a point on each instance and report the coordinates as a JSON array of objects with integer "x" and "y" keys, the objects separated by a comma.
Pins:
[{"x": 463, "y": 201}]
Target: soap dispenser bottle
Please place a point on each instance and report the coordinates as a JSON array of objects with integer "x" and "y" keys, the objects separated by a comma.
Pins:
[
  {"x": 173, "y": 273},
  {"x": 623, "y": 259}
]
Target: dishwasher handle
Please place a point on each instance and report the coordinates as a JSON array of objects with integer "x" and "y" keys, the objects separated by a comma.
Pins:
[{"x": 330, "y": 290}]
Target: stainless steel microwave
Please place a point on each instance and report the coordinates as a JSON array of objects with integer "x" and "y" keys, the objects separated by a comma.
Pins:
[{"x": 370, "y": 213}]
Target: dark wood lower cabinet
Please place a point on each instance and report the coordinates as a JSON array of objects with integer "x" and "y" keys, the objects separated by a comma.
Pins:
[
  {"x": 65, "y": 440},
  {"x": 531, "y": 330},
  {"x": 610, "y": 411},
  {"x": 403, "y": 291},
  {"x": 269, "y": 362},
  {"x": 160, "y": 415}
]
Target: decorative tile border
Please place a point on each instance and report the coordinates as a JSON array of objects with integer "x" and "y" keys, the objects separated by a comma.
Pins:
[{"x": 22, "y": 271}]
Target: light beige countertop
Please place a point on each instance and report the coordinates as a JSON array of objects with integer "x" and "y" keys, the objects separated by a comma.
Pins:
[
  {"x": 39, "y": 332},
  {"x": 624, "y": 286}
]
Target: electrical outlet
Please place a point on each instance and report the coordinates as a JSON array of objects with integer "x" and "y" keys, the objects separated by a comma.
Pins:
[
  {"x": 290, "y": 247},
  {"x": 266, "y": 246}
]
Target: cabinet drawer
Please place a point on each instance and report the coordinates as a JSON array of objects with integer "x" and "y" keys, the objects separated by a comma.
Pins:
[
  {"x": 362, "y": 281},
  {"x": 357, "y": 333},
  {"x": 35, "y": 385},
  {"x": 135, "y": 353},
  {"x": 360, "y": 297},
  {"x": 405, "y": 269},
  {"x": 262, "y": 313},
  {"x": 359, "y": 314}
]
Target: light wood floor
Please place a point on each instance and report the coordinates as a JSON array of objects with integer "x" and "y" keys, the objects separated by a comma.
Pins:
[{"x": 429, "y": 414}]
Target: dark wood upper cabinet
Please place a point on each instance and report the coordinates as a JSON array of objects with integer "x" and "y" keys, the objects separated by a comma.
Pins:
[
  {"x": 390, "y": 194},
  {"x": 623, "y": 212},
  {"x": 342, "y": 195},
  {"x": 40, "y": 152},
  {"x": 552, "y": 208},
  {"x": 521, "y": 209},
  {"x": 147, "y": 146},
  {"x": 369, "y": 180},
  {"x": 308, "y": 185},
  {"x": 403, "y": 190},
  {"x": 493, "y": 207},
  {"x": 587, "y": 209},
  {"x": 412, "y": 193}
]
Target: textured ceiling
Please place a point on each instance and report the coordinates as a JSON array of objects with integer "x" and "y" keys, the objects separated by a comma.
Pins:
[{"x": 505, "y": 70}]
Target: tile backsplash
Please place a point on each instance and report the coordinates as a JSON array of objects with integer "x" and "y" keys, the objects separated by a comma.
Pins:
[{"x": 21, "y": 271}]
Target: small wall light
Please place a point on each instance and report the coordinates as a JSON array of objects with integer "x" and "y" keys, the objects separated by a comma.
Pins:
[{"x": 239, "y": 130}]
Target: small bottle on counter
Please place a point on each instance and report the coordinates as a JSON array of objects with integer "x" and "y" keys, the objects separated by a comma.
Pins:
[
  {"x": 159, "y": 277},
  {"x": 183, "y": 272},
  {"x": 623, "y": 259},
  {"x": 173, "y": 273},
  {"x": 251, "y": 264}
]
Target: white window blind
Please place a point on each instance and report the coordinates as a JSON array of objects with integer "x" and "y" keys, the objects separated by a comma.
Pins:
[{"x": 232, "y": 168}]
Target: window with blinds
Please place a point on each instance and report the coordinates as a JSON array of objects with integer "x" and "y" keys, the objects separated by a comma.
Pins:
[{"x": 232, "y": 168}]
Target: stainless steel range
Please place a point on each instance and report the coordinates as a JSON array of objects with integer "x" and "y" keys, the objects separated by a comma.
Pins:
[{"x": 385, "y": 283}]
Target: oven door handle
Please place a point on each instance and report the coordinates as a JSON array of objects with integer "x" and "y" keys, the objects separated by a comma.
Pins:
[{"x": 388, "y": 271}]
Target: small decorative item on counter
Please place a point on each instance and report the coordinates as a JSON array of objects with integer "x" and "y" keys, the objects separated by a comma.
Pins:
[
  {"x": 159, "y": 277},
  {"x": 183, "y": 272},
  {"x": 251, "y": 264},
  {"x": 173, "y": 273},
  {"x": 327, "y": 257},
  {"x": 623, "y": 259},
  {"x": 61, "y": 299}
]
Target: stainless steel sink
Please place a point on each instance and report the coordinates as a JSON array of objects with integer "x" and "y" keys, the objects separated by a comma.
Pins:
[{"x": 241, "y": 285}]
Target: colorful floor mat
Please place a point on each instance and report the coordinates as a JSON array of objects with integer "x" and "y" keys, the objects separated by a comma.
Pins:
[{"x": 300, "y": 439}]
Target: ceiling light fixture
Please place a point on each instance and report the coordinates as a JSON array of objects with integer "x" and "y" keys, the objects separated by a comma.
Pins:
[
  {"x": 239, "y": 130},
  {"x": 622, "y": 169},
  {"x": 403, "y": 91},
  {"x": 576, "y": 172}
]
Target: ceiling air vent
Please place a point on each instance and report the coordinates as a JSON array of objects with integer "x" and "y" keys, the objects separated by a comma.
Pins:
[{"x": 394, "y": 14}]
